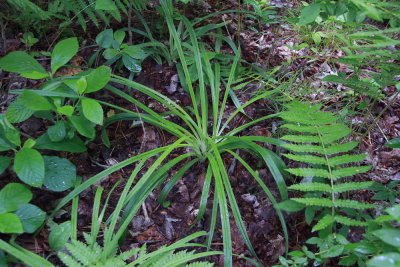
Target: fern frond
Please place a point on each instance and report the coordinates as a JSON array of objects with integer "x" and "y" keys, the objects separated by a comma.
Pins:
[
  {"x": 334, "y": 161},
  {"x": 142, "y": 251},
  {"x": 353, "y": 204},
  {"x": 82, "y": 253},
  {"x": 301, "y": 138},
  {"x": 304, "y": 148},
  {"x": 307, "y": 159},
  {"x": 307, "y": 187},
  {"x": 334, "y": 135},
  {"x": 121, "y": 6},
  {"x": 350, "y": 171},
  {"x": 323, "y": 223},
  {"x": 300, "y": 128},
  {"x": 317, "y": 118},
  {"x": 128, "y": 254},
  {"x": 68, "y": 260},
  {"x": 329, "y": 150},
  {"x": 311, "y": 201},
  {"x": 344, "y": 159},
  {"x": 348, "y": 221},
  {"x": 346, "y": 147},
  {"x": 321, "y": 130},
  {"x": 179, "y": 257},
  {"x": 351, "y": 186},
  {"x": 309, "y": 172}
]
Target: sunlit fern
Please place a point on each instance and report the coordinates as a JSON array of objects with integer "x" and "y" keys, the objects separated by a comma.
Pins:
[
  {"x": 318, "y": 143},
  {"x": 86, "y": 9},
  {"x": 81, "y": 254}
]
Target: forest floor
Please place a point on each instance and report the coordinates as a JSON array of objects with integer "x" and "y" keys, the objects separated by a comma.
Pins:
[{"x": 166, "y": 225}]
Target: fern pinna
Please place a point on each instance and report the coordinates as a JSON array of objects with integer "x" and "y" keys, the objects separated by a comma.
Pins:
[{"x": 317, "y": 142}]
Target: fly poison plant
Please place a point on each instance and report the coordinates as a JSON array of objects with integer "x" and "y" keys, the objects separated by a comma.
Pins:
[{"x": 197, "y": 142}]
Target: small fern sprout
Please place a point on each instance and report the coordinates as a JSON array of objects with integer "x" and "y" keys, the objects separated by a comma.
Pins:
[{"x": 318, "y": 142}]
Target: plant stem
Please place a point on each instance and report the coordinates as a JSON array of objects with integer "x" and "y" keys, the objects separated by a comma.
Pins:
[{"x": 130, "y": 21}]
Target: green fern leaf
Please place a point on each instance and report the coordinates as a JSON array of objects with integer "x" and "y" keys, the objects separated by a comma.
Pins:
[
  {"x": 334, "y": 149},
  {"x": 300, "y": 128},
  {"x": 175, "y": 259},
  {"x": 353, "y": 204},
  {"x": 307, "y": 159},
  {"x": 323, "y": 223},
  {"x": 340, "y": 188},
  {"x": 121, "y": 6},
  {"x": 316, "y": 118},
  {"x": 309, "y": 172},
  {"x": 320, "y": 202},
  {"x": 307, "y": 187},
  {"x": 332, "y": 128},
  {"x": 301, "y": 139},
  {"x": 142, "y": 251},
  {"x": 350, "y": 171},
  {"x": 81, "y": 252},
  {"x": 348, "y": 221},
  {"x": 304, "y": 148},
  {"x": 128, "y": 254},
  {"x": 344, "y": 159},
  {"x": 320, "y": 129},
  {"x": 335, "y": 135},
  {"x": 68, "y": 260}
]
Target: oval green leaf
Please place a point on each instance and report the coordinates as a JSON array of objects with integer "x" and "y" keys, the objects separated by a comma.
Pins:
[
  {"x": 109, "y": 53},
  {"x": 385, "y": 260},
  {"x": 105, "y": 38},
  {"x": 74, "y": 145},
  {"x": 4, "y": 163},
  {"x": 13, "y": 196},
  {"x": 394, "y": 143},
  {"x": 17, "y": 112},
  {"x": 29, "y": 166},
  {"x": 20, "y": 62},
  {"x": 82, "y": 126},
  {"x": 31, "y": 217},
  {"x": 10, "y": 224},
  {"x": 57, "y": 132},
  {"x": 63, "y": 52},
  {"x": 97, "y": 79},
  {"x": 92, "y": 110},
  {"x": 389, "y": 236},
  {"x": 60, "y": 173},
  {"x": 133, "y": 65},
  {"x": 34, "y": 101},
  {"x": 309, "y": 14}
]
